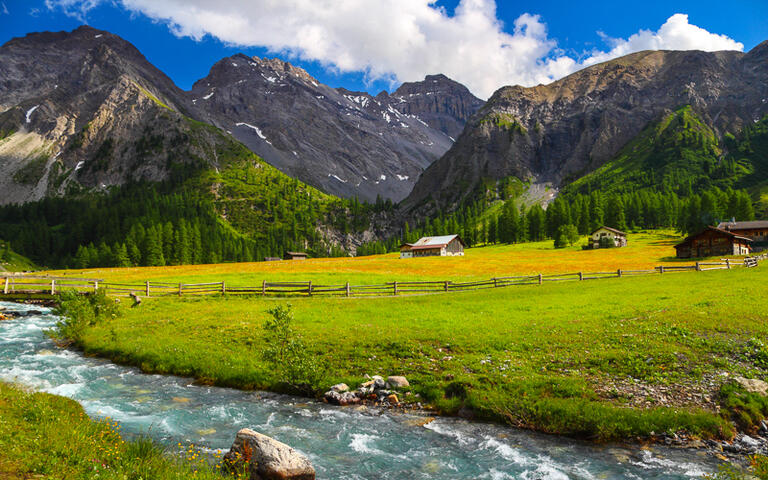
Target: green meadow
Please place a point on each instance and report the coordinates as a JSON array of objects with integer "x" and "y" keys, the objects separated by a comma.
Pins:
[{"x": 586, "y": 359}]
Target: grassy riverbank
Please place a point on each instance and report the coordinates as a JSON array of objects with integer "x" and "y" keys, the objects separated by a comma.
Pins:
[
  {"x": 607, "y": 359},
  {"x": 47, "y": 436}
]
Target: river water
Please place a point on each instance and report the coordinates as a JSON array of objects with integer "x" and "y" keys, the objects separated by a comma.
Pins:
[{"x": 341, "y": 442}]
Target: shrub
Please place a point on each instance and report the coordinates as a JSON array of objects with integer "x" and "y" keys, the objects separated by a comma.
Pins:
[
  {"x": 566, "y": 235},
  {"x": 287, "y": 354},
  {"x": 607, "y": 242},
  {"x": 80, "y": 311}
]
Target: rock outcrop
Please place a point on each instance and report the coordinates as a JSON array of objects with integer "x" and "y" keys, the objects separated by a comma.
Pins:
[
  {"x": 267, "y": 459},
  {"x": 752, "y": 385},
  {"x": 343, "y": 142}
]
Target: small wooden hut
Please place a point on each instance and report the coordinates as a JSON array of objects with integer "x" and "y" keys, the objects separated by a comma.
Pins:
[{"x": 712, "y": 242}]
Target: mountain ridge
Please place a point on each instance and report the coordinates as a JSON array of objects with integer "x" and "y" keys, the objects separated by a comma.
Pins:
[
  {"x": 66, "y": 83},
  {"x": 549, "y": 134}
]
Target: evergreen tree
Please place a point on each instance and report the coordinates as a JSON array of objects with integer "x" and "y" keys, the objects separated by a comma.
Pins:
[
  {"x": 153, "y": 249},
  {"x": 121, "y": 258},
  {"x": 6, "y": 257},
  {"x": 596, "y": 213},
  {"x": 584, "y": 217}
]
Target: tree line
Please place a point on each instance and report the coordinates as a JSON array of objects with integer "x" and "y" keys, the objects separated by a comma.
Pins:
[
  {"x": 156, "y": 225},
  {"x": 569, "y": 216}
]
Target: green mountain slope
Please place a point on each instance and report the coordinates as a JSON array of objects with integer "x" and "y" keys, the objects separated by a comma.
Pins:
[
  {"x": 241, "y": 209},
  {"x": 11, "y": 261},
  {"x": 682, "y": 154}
]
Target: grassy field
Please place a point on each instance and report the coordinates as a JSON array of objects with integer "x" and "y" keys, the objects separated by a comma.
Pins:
[
  {"x": 14, "y": 262},
  {"x": 645, "y": 250},
  {"x": 46, "y": 436},
  {"x": 605, "y": 359}
]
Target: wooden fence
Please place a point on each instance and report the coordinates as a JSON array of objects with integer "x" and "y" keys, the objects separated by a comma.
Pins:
[{"x": 19, "y": 284}]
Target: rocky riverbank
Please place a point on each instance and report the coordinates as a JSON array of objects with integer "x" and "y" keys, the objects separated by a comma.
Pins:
[{"x": 374, "y": 391}]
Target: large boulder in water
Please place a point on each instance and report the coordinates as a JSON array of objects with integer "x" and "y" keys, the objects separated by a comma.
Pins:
[{"x": 268, "y": 459}]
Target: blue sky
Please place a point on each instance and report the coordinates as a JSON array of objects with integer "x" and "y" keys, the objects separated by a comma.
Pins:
[{"x": 481, "y": 48}]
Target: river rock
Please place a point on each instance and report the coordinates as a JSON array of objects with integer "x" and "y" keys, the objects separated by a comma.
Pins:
[
  {"x": 397, "y": 381},
  {"x": 379, "y": 384},
  {"x": 340, "y": 387},
  {"x": 752, "y": 385},
  {"x": 392, "y": 398},
  {"x": 268, "y": 459},
  {"x": 341, "y": 398}
]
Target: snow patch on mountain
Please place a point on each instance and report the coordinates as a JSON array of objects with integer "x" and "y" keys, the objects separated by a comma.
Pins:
[
  {"x": 29, "y": 113},
  {"x": 256, "y": 129}
]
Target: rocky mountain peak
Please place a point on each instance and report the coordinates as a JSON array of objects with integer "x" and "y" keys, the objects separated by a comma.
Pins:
[
  {"x": 549, "y": 134},
  {"x": 442, "y": 103}
]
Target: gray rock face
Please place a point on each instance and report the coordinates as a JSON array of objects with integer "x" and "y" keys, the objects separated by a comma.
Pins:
[
  {"x": 343, "y": 142},
  {"x": 268, "y": 459},
  {"x": 550, "y": 133},
  {"x": 752, "y": 385},
  {"x": 86, "y": 109},
  {"x": 440, "y": 102}
]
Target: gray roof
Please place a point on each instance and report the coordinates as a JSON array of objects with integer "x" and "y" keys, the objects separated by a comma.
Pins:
[
  {"x": 619, "y": 232},
  {"x": 432, "y": 242},
  {"x": 743, "y": 225}
]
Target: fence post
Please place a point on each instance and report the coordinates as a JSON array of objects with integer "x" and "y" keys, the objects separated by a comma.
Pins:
[
  {"x": 581, "y": 276},
  {"x": 446, "y": 286},
  {"x": 541, "y": 279},
  {"x": 495, "y": 284},
  {"x": 264, "y": 288},
  {"x": 347, "y": 288},
  {"x": 147, "y": 288},
  {"x": 698, "y": 267},
  {"x": 95, "y": 286},
  {"x": 179, "y": 289},
  {"x": 618, "y": 273},
  {"x": 661, "y": 268},
  {"x": 223, "y": 287},
  {"x": 53, "y": 287},
  {"x": 394, "y": 287},
  {"x": 728, "y": 263},
  {"x": 5, "y": 289},
  {"x": 309, "y": 288}
]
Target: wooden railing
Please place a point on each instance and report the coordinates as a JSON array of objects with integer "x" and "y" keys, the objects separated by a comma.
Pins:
[{"x": 17, "y": 284}]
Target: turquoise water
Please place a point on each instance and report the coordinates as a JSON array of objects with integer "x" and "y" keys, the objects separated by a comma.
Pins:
[{"x": 344, "y": 443}]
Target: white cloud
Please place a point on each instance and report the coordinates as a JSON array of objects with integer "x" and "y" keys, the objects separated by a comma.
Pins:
[
  {"x": 402, "y": 40},
  {"x": 4, "y": 9},
  {"x": 675, "y": 34}
]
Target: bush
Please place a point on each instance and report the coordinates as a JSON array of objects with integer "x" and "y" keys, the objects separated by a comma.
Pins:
[
  {"x": 287, "y": 353},
  {"x": 566, "y": 235},
  {"x": 607, "y": 242},
  {"x": 79, "y": 311}
]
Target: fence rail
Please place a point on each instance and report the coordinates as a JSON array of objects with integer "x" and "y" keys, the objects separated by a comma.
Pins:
[{"x": 15, "y": 284}]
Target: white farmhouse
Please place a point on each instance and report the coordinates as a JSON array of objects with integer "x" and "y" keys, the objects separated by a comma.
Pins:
[{"x": 442, "y": 246}]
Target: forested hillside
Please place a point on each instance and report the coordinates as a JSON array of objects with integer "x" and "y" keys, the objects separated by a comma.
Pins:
[
  {"x": 681, "y": 154},
  {"x": 243, "y": 210},
  {"x": 676, "y": 174}
]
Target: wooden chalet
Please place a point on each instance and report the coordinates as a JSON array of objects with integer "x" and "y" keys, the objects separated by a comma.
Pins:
[
  {"x": 442, "y": 246},
  {"x": 713, "y": 241},
  {"x": 295, "y": 256},
  {"x": 618, "y": 237},
  {"x": 756, "y": 230}
]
